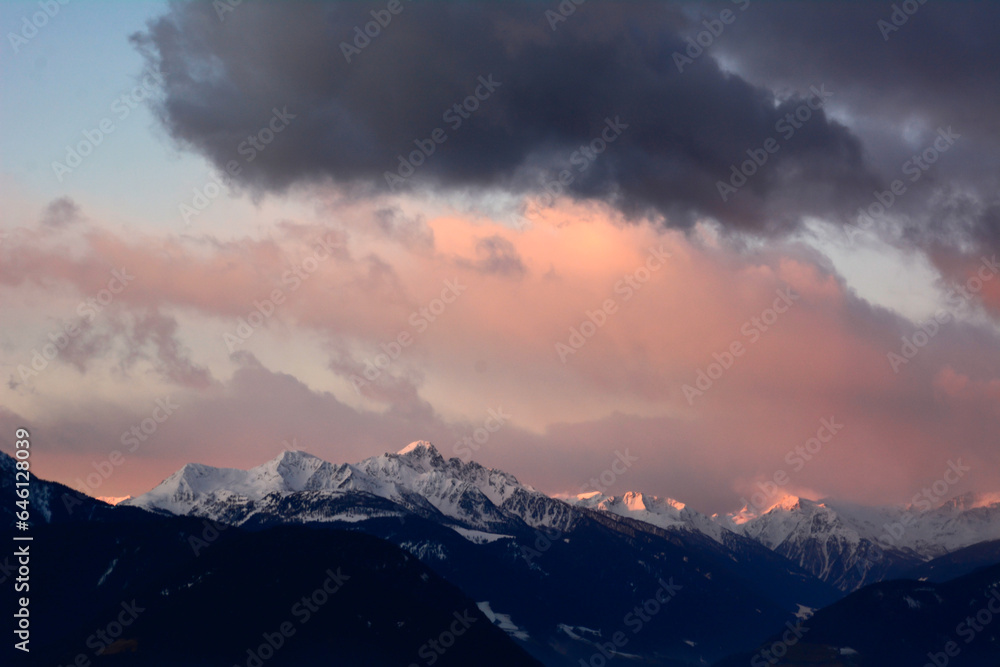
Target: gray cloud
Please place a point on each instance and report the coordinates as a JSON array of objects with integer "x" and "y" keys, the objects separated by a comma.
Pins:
[
  {"x": 553, "y": 94},
  {"x": 499, "y": 256},
  {"x": 130, "y": 337},
  {"x": 899, "y": 75},
  {"x": 61, "y": 212}
]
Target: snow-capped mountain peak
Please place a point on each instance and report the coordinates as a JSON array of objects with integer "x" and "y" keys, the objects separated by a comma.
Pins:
[
  {"x": 664, "y": 513},
  {"x": 416, "y": 479},
  {"x": 289, "y": 471},
  {"x": 419, "y": 447},
  {"x": 971, "y": 501},
  {"x": 747, "y": 513},
  {"x": 844, "y": 544}
]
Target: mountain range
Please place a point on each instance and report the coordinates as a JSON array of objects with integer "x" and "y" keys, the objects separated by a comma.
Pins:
[
  {"x": 846, "y": 545},
  {"x": 566, "y": 581}
]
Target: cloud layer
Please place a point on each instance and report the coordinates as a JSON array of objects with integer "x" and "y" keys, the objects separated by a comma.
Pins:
[
  {"x": 597, "y": 342},
  {"x": 490, "y": 96}
]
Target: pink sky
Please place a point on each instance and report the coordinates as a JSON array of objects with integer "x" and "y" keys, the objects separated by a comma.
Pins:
[
  {"x": 521, "y": 291},
  {"x": 312, "y": 303}
]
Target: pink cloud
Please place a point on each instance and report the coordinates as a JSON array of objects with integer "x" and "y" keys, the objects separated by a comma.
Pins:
[{"x": 664, "y": 309}]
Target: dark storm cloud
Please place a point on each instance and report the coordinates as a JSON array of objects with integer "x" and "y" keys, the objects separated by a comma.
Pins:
[
  {"x": 941, "y": 58},
  {"x": 533, "y": 96},
  {"x": 901, "y": 70}
]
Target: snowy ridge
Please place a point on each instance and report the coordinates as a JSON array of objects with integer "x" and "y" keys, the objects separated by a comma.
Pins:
[
  {"x": 416, "y": 479},
  {"x": 665, "y": 513},
  {"x": 850, "y": 545},
  {"x": 291, "y": 471},
  {"x": 844, "y": 544},
  {"x": 931, "y": 532}
]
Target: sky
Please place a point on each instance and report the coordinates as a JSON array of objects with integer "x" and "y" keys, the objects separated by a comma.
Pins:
[{"x": 686, "y": 249}]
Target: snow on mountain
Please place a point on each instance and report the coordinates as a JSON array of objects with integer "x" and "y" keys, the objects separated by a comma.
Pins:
[
  {"x": 927, "y": 530},
  {"x": 665, "y": 513},
  {"x": 850, "y": 545},
  {"x": 957, "y": 523},
  {"x": 844, "y": 544},
  {"x": 416, "y": 446},
  {"x": 415, "y": 479},
  {"x": 190, "y": 486},
  {"x": 839, "y": 547},
  {"x": 748, "y": 513},
  {"x": 794, "y": 518}
]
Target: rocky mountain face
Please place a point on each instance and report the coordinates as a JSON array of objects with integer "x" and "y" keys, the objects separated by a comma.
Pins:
[
  {"x": 559, "y": 576},
  {"x": 850, "y": 545},
  {"x": 843, "y": 544}
]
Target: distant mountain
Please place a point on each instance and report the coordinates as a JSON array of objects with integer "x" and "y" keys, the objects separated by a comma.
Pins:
[
  {"x": 558, "y": 577},
  {"x": 113, "y": 500},
  {"x": 665, "y": 513},
  {"x": 957, "y": 563},
  {"x": 843, "y": 544},
  {"x": 415, "y": 481},
  {"x": 851, "y": 545},
  {"x": 953, "y": 624},
  {"x": 833, "y": 545}
]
